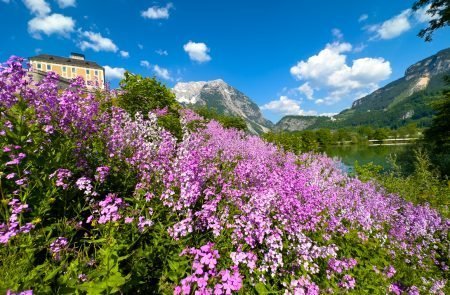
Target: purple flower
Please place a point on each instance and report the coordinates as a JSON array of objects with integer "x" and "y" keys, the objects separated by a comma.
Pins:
[
  {"x": 84, "y": 184},
  {"x": 396, "y": 289},
  {"x": 389, "y": 271},
  {"x": 27, "y": 292},
  {"x": 58, "y": 246},
  {"x": 10, "y": 175},
  {"x": 413, "y": 290},
  {"x": 21, "y": 181},
  {"x": 348, "y": 282},
  {"x": 13, "y": 162},
  {"x": 102, "y": 173},
  {"x": 143, "y": 223},
  {"x": 108, "y": 209},
  {"x": 12, "y": 228},
  {"x": 62, "y": 175},
  {"x": 82, "y": 277},
  {"x": 49, "y": 129}
]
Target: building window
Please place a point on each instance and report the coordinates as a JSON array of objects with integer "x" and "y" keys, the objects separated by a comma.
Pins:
[
  {"x": 49, "y": 67},
  {"x": 64, "y": 69},
  {"x": 39, "y": 66},
  {"x": 96, "y": 73},
  {"x": 87, "y": 72},
  {"x": 73, "y": 70}
]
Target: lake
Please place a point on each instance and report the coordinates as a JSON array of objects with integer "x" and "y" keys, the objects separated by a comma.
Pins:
[{"x": 364, "y": 154}]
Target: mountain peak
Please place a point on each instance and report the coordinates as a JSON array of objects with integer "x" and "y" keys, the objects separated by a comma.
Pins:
[
  {"x": 424, "y": 75},
  {"x": 218, "y": 81},
  {"x": 225, "y": 99},
  {"x": 431, "y": 66}
]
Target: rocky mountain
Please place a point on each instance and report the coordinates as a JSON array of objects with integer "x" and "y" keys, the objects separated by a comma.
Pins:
[
  {"x": 298, "y": 123},
  {"x": 425, "y": 75},
  {"x": 225, "y": 99},
  {"x": 398, "y": 103}
]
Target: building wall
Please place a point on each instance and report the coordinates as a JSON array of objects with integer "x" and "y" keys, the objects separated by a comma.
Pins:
[{"x": 92, "y": 77}]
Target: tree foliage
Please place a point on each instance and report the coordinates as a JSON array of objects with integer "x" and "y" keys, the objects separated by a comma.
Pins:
[
  {"x": 439, "y": 131},
  {"x": 440, "y": 10},
  {"x": 437, "y": 137},
  {"x": 225, "y": 120},
  {"x": 422, "y": 185},
  {"x": 145, "y": 94}
]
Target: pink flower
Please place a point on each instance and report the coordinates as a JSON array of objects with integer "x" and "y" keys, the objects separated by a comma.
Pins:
[{"x": 10, "y": 175}]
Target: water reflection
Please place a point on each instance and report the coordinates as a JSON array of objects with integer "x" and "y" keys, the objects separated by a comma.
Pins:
[{"x": 363, "y": 154}]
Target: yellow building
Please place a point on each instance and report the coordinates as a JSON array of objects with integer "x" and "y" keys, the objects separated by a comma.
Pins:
[{"x": 70, "y": 67}]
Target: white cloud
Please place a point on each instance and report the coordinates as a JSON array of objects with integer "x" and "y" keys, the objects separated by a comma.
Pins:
[
  {"x": 38, "y": 7},
  {"x": 5, "y": 1},
  {"x": 140, "y": 46},
  {"x": 145, "y": 64},
  {"x": 197, "y": 51},
  {"x": 162, "y": 72},
  {"x": 337, "y": 33},
  {"x": 156, "y": 12},
  {"x": 359, "y": 48},
  {"x": 114, "y": 73},
  {"x": 322, "y": 65},
  {"x": 286, "y": 106},
  {"x": 400, "y": 23},
  {"x": 124, "y": 54},
  {"x": 162, "y": 52},
  {"x": 328, "y": 71},
  {"x": 66, "y": 3},
  {"x": 394, "y": 26},
  {"x": 363, "y": 17},
  {"x": 306, "y": 90},
  {"x": 96, "y": 42},
  {"x": 57, "y": 24}
]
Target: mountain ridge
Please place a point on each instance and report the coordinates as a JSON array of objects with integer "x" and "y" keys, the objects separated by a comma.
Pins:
[
  {"x": 225, "y": 99},
  {"x": 399, "y": 102}
]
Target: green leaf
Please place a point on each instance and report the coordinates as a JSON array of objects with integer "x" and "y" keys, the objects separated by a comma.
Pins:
[{"x": 261, "y": 288}]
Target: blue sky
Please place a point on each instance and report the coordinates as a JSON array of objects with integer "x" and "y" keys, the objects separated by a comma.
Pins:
[{"x": 290, "y": 57}]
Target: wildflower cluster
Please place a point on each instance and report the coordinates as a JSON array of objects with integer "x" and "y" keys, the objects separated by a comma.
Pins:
[
  {"x": 215, "y": 212},
  {"x": 58, "y": 246},
  {"x": 108, "y": 209},
  {"x": 62, "y": 175},
  {"x": 12, "y": 227},
  {"x": 204, "y": 268}
]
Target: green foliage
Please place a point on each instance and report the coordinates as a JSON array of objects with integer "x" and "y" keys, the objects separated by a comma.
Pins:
[
  {"x": 297, "y": 142},
  {"x": 226, "y": 121},
  {"x": 318, "y": 140},
  {"x": 437, "y": 137},
  {"x": 423, "y": 185},
  {"x": 380, "y": 134},
  {"x": 145, "y": 94},
  {"x": 106, "y": 277},
  {"x": 324, "y": 137}
]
